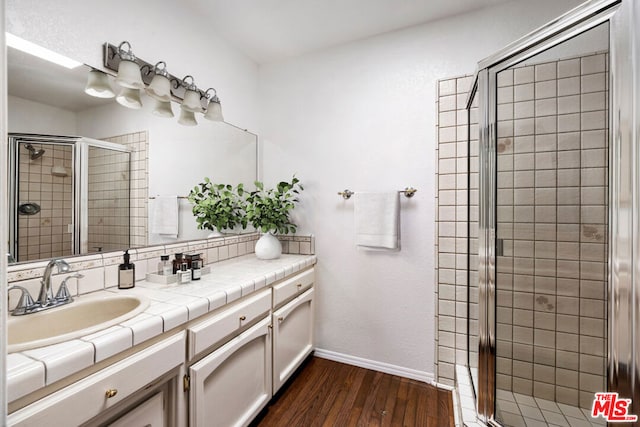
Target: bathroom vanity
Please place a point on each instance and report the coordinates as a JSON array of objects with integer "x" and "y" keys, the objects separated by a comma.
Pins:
[{"x": 211, "y": 352}]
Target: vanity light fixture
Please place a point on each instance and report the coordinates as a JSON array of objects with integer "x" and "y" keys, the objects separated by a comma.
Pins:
[
  {"x": 214, "y": 109},
  {"x": 163, "y": 109},
  {"x": 134, "y": 74},
  {"x": 160, "y": 86},
  {"x": 128, "y": 71},
  {"x": 129, "y": 98},
  {"x": 191, "y": 100},
  {"x": 187, "y": 118},
  {"x": 98, "y": 85},
  {"x": 39, "y": 51}
]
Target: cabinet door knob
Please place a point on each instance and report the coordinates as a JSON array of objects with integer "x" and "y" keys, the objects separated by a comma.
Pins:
[
  {"x": 299, "y": 285},
  {"x": 111, "y": 392},
  {"x": 243, "y": 318},
  {"x": 280, "y": 319}
]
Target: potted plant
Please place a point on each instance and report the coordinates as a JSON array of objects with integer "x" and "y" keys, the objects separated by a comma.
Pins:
[
  {"x": 217, "y": 207},
  {"x": 268, "y": 211}
]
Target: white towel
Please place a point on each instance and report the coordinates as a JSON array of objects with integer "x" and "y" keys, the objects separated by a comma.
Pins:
[
  {"x": 164, "y": 219},
  {"x": 377, "y": 217}
]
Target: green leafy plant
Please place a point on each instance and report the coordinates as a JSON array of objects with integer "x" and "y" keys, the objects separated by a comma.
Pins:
[
  {"x": 218, "y": 206},
  {"x": 268, "y": 209}
]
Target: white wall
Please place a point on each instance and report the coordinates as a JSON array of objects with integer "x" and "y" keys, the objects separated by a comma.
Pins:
[
  {"x": 33, "y": 117},
  {"x": 362, "y": 116},
  {"x": 160, "y": 30}
]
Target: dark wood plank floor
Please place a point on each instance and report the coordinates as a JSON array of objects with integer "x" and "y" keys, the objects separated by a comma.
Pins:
[{"x": 326, "y": 393}]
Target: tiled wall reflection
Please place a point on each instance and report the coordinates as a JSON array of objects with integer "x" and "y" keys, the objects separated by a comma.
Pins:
[
  {"x": 108, "y": 199},
  {"x": 551, "y": 281},
  {"x": 139, "y": 200},
  {"x": 45, "y": 234}
]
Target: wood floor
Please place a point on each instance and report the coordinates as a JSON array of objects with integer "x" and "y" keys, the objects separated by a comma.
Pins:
[{"x": 327, "y": 393}]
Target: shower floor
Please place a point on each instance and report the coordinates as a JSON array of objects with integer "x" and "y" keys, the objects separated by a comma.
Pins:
[{"x": 519, "y": 410}]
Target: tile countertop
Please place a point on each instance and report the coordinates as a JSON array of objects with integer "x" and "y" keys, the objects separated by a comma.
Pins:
[{"x": 169, "y": 306}]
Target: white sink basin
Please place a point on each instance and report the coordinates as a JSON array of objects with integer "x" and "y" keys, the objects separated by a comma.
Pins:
[{"x": 84, "y": 316}]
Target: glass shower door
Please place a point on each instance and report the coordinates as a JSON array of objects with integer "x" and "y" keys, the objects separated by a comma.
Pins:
[{"x": 551, "y": 232}]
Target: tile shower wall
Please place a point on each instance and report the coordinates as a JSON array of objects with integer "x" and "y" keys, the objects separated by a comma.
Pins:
[
  {"x": 139, "y": 200},
  {"x": 452, "y": 181},
  {"x": 45, "y": 234},
  {"x": 552, "y": 217},
  {"x": 108, "y": 200}
]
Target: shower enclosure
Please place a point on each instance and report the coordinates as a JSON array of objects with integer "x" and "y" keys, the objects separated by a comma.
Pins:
[
  {"x": 554, "y": 218},
  {"x": 68, "y": 195}
]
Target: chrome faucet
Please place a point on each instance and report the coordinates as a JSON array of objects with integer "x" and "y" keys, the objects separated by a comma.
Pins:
[
  {"x": 46, "y": 293},
  {"x": 46, "y": 300}
]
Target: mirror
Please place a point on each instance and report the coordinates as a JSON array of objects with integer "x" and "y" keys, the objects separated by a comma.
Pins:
[{"x": 166, "y": 159}]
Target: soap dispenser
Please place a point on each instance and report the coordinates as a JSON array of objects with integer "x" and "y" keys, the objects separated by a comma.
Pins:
[{"x": 126, "y": 273}]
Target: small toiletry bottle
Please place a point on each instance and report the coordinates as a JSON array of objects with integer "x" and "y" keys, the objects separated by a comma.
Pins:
[
  {"x": 196, "y": 271},
  {"x": 164, "y": 266},
  {"x": 177, "y": 263},
  {"x": 126, "y": 273},
  {"x": 185, "y": 274}
]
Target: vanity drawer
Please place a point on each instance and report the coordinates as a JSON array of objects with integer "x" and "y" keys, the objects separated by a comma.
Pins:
[
  {"x": 90, "y": 396},
  {"x": 222, "y": 325},
  {"x": 285, "y": 291}
]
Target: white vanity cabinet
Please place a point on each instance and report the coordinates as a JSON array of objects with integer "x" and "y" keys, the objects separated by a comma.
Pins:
[
  {"x": 230, "y": 386},
  {"x": 102, "y": 391},
  {"x": 292, "y": 337},
  {"x": 220, "y": 369},
  {"x": 150, "y": 413}
]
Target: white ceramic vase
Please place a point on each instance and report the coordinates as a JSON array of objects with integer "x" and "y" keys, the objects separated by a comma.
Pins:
[{"x": 268, "y": 247}]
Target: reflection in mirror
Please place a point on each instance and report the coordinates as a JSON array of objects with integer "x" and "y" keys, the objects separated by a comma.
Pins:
[
  {"x": 81, "y": 190},
  {"x": 165, "y": 159}
]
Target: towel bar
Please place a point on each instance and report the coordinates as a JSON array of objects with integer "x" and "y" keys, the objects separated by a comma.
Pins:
[
  {"x": 179, "y": 197},
  {"x": 408, "y": 193}
]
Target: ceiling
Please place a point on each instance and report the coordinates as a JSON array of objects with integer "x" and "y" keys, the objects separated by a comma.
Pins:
[{"x": 270, "y": 30}]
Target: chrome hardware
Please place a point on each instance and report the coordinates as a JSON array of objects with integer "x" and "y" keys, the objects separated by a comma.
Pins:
[
  {"x": 346, "y": 194},
  {"x": 46, "y": 300},
  {"x": 111, "y": 393},
  {"x": 63, "y": 294},
  {"x": 25, "y": 303},
  {"x": 46, "y": 293},
  {"x": 408, "y": 192}
]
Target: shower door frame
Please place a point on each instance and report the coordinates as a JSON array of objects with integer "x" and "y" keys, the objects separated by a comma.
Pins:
[
  {"x": 81, "y": 163},
  {"x": 15, "y": 139},
  {"x": 623, "y": 287}
]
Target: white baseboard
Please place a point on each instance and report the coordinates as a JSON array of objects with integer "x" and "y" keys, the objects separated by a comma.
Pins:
[{"x": 387, "y": 368}]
